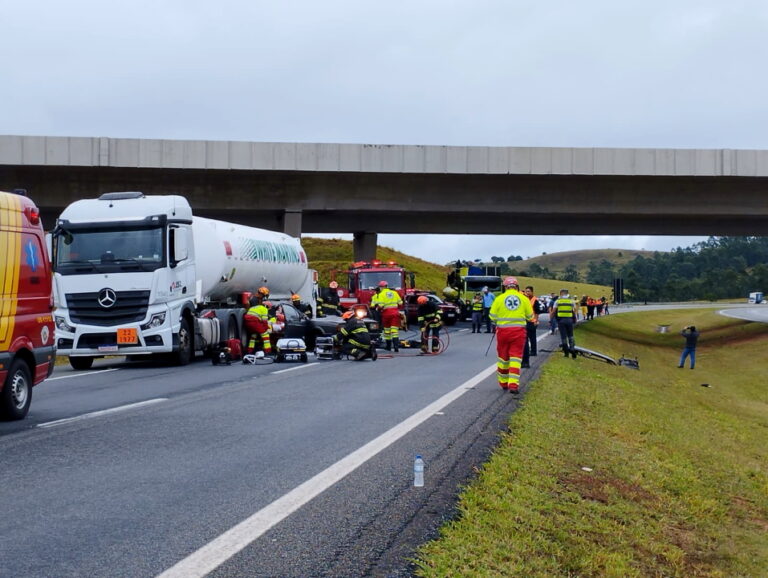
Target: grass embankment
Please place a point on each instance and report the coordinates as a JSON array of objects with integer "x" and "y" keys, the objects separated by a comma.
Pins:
[
  {"x": 678, "y": 483},
  {"x": 327, "y": 254}
]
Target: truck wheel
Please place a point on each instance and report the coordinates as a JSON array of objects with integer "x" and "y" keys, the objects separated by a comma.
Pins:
[
  {"x": 304, "y": 357},
  {"x": 184, "y": 355},
  {"x": 17, "y": 392},
  {"x": 81, "y": 362}
]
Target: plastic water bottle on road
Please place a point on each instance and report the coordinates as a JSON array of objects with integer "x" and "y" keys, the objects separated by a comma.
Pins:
[{"x": 418, "y": 472}]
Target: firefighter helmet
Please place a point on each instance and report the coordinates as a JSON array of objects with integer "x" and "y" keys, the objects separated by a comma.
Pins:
[
  {"x": 383, "y": 284},
  {"x": 422, "y": 299},
  {"x": 295, "y": 297},
  {"x": 347, "y": 314},
  {"x": 263, "y": 291},
  {"x": 511, "y": 281}
]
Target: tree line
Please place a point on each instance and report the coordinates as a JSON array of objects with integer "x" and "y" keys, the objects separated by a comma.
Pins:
[{"x": 718, "y": 268}]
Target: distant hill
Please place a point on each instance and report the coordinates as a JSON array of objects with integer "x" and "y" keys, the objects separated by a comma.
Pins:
[
  {"x": 557, "y": 262},
  {"x": 327, "y": 254}
]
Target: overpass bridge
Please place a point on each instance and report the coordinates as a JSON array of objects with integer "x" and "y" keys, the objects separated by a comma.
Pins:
[{"x": 370, "y": 189}]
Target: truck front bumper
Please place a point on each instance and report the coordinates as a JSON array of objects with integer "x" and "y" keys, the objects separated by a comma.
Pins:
[{"x": 93, "y": 341}]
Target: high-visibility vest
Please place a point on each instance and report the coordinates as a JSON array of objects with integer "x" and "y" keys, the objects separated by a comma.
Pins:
[
  {"x": 477, "y": 305},
  {"x": 388, "y": 299},
  {"x": 564, "y": 307},
  {"x": 511, "y": 309},
  {"x": 259, "y": 311}
]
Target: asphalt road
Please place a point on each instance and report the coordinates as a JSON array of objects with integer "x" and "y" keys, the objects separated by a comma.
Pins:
[{"x": 130, "y": 468}]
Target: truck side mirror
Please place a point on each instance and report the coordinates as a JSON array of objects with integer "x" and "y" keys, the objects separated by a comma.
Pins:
[{"x": 179, "y": 246}]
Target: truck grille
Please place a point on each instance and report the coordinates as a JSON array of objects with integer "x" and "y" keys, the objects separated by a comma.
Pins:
[{"x": 129, "y": 307}]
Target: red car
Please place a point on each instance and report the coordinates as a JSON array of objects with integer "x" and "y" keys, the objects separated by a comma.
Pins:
[
  {"x": 27, "y": 353},
  {"x": 448, "y": 311}
]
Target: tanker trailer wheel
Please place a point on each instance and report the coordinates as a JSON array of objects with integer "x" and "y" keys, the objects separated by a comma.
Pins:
[
  {"x": 184, "y": 355},
  {"x": 17, "y": 392},
  {"x": 81, "y": 362}
]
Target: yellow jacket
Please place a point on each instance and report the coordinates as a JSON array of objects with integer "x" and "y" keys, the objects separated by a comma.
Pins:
[
  {"x": 511, "y": 309},
  {"x": 387, "y": 299}
]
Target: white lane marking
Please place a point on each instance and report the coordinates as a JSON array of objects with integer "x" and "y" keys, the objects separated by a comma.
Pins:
[
  {"x": 82, "y": 373},
  {"x": 462, "y": 330},
  {"x": 222, "y": 548},
  {"x": 295, "y": 368},
  {"x": 102, "y": 412}
]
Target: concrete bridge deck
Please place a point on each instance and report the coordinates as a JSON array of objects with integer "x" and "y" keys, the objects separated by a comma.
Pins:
[{"x": 369, "y": 189}]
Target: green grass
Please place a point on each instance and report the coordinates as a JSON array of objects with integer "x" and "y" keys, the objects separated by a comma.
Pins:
[{"x": 678, "y": 487}]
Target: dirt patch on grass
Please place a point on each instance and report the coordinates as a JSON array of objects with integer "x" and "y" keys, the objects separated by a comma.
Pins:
[
  {"x": 604, "y": 488},
  {"x": 748, "y": 510}
]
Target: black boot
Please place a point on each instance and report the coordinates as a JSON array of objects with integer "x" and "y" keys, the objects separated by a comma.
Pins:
[
  {"x": 388, "y": 345},
  {"x": 396, "y": 343}
]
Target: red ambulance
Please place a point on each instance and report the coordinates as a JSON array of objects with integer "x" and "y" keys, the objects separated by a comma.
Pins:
[{"x": 27, "y": 354}]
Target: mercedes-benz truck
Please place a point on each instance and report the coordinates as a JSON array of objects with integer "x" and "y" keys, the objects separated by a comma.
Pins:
[{"x": 138, "y": 275}]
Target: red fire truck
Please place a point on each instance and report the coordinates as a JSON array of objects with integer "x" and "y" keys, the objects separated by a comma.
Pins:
[
  {"x": 364, "y": 277},
  {"x": 27, "y": 354}
]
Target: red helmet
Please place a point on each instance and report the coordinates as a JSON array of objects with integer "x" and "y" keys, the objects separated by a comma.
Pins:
[
  {"x": 347, "y": 314},
  {"x": 333, "y": 285},
  {"x": 422, "y": 299},
  {"x": 383, "y": 284},
  {"x": 510, "y": 281}
]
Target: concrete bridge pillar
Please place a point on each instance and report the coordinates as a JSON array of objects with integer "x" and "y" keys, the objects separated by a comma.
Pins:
[
  {"x": 292, "y": 223},
  {"x": 364, "y": 246}
]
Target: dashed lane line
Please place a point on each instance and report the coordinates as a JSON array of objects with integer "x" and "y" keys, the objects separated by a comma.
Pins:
[
  {"x": 82, "y": 374},
  {"x": 102, "y": 412}
]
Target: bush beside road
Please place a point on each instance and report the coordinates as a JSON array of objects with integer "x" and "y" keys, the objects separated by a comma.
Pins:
[{"x": 609, "y": 471}]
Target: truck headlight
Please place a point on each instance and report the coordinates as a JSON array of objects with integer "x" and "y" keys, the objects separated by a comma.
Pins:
[
  {"x": 61, "y": 323},
  {"x": 155, "y": 321}
]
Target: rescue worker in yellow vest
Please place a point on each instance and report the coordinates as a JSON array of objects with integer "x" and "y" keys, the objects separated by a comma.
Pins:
[
  {"x": 389, "y": 303},
  {"x": 565, "y": 311},
  {"x": 477, "y": 312},
  {"x": 430, "y": 321},
  {"x": 256, "y": 322},
  {"x": 510, "y": 312}
]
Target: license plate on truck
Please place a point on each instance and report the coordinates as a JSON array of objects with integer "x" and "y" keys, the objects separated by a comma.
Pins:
[{"x": 127, "y": 336}]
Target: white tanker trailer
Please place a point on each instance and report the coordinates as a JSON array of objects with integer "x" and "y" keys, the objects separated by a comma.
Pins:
[{"x": 140, "y": 275}]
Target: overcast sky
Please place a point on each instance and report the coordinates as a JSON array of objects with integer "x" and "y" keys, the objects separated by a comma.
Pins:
[{"x": 681, "y": 73}]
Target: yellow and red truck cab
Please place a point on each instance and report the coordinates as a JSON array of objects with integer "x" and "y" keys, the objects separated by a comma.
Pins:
[{"x": 27, "y": 354}]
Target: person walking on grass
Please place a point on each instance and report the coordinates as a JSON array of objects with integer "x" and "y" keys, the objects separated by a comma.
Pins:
[
  {"x": 509, "y": 313},
  {"x": 691, "y": 337}
]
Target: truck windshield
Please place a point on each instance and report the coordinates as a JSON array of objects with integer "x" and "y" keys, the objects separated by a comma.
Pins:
[
  {"x": 104, "y": 250},
  {"x": 371, "y": 279}
]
